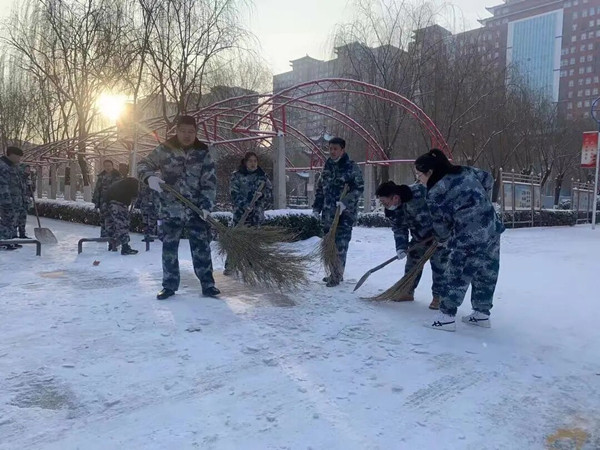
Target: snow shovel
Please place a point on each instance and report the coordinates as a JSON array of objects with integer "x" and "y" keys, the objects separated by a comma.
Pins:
[
  {"x": 382, "y": 265},
  {"x": 44, "y": 235},
  {"x": 251, "y": 205}
]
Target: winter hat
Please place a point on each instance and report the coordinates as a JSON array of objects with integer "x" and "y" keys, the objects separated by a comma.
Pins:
[
  {"x": 14, "y": 151},
  {"x": 186, "y": 120}
]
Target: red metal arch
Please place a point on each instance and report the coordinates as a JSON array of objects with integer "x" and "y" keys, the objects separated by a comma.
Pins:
[{"x": 279, "y": 101}]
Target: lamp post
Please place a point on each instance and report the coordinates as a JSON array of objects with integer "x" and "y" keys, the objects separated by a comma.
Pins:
[{"x": 596, "y": 116}]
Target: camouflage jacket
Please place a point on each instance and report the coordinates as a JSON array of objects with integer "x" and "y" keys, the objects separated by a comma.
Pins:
[
  {"x": 462, "y": 211},
  {"x": 191, "y": 171},
  {"x": 413, "y": 217},
  {"x": 243, "y": 185},
  {"x": 11, "y": 185},
  {"x": 105, "y": 179},
  {"x": 334, "y": 177},
  {"x": 28, "y": 184}
]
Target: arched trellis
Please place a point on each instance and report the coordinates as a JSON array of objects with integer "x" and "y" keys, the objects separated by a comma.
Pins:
[
  {"x": 256, "y": 117},
  {"x": 277, "y": 104}
]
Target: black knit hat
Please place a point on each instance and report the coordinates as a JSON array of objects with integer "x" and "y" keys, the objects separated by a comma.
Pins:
[
  {"x": 14, "y": 151},
  {"x": 186, "y": 120}
]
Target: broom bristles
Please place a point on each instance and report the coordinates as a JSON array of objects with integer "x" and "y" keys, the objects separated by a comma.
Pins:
[
  {"x": 328, "y": 252},
  {"x": 406, "y": 283},
  {"x": 256, "y": 256}
]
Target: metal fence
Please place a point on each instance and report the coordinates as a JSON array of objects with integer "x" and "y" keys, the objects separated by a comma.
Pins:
[{"x": 520, "y": 193}]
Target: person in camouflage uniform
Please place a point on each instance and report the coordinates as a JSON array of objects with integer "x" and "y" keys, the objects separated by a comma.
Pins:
[
  {"x": 28, "y": 189},
  {"x": 105, "y": 178},
  {"x": 119, "y": 196},
  {"x": 339, "y": 171},
  {"x": 186, "y": 164},
  {"x": 465, "y": 222},
  {"x": 243, "y": 186},
  {"x": 147, "y": 203},
  {"x": 11, "y": 195},
  {"x": 406, "y": 208}
]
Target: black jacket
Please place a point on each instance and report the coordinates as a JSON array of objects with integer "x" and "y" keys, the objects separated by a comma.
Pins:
[{"x": 123, "y": 191}]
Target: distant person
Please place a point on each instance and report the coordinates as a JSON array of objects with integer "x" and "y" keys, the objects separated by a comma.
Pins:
[
  {"x": 243, "y": 186},
  {"x": 339, "y": 171},
  {"x": 28, "y": 192},
  {"x": 186, "y": 164},
  {"x": 464, "y": 222},
  {"x": 105, "y": 178},
  {"x": 406, "y": 208},
  {"x": 119, "y": 196},
  {"x": 148, "y": 202},
  {"x": 11, "y": 195}
]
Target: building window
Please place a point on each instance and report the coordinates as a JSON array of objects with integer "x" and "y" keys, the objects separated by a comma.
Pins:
[
  {"x": 579, "y": 104},
  {"x": 588, "y": 80},
  {"x": 570, "y": 94},
  {"x": 591, "y": 35},
  {"x": 589, "y": 69},
  {"x": 571, "y": 83},
  {"x": 590, "y": 46},
  {"x": 598, "y": 22},
  {"x": 582, "y": 48},
  {"x": 586, "y": 103},
  {"x": 563, "y": 73},
  {"x": 583, "y": 37},
  {"x": 574, "y": 27},
  {"x": 592, "y": 11},
  {"x": 582, "y": 59},
  {"x": 597, "y": 79},
  {"x": 579, "y": 93},
  {"x": 581, "y": 70},
  {"x": 571, "y": 72},
  {"x": 584, "y": 13},
  {"x": 588, "y": 92},
  {"x": 574, "y": 38},
  {"x": 597, "y": 33},
  {"x": 573, "y": 49},
  {"x": 569, "y": 105},
  {"x": 586, "y": 115},
  {"x": 572, "y": 61},
  {"x": 590, "y": 58},
  {"x": 595, "y": 91},
  {"x": 592, "y": 22},
  {"x": 575, "y": 15},
  {"x": 580, "y": 82}
]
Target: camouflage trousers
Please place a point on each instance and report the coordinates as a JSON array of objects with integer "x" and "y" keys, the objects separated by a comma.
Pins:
[
  {"x": 22, "y": 221},
  {"x": 103, "y": 219},
  {"x": 477, "y": 268},
  {"x": 150, "y": 218},
  {"x": 8, "y": 223},
  {"x": 438, "y": 262},
  {"x": 117, "y": 223},
  {"x": 200, "y": 237},
  {"x": 343, "y": 236}
]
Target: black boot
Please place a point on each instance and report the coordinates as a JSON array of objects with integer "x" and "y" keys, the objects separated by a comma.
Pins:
[
  {"x": 211, "y": 292},
  {"x": 326, "y": 280},
  {"x": 164, "y": 294},
  {"x": 8, "y": 247},
  {"x": 127, "y": 250}
]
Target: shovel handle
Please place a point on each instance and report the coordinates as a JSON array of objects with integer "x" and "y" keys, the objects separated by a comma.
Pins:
[
  {"x": 251, "y": 205},
  {"x": 35, "y": 207}
]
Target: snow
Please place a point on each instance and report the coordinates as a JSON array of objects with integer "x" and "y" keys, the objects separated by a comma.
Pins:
[{"x": 90, "y": 360}]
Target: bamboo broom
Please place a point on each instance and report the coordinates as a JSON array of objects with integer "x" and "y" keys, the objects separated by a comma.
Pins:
[
  {"x": 254, "y": 253},
  {"x": 406, "y": 283},
  {"x": 250, "y": 207},
  {"x": 328, "y": 249}
]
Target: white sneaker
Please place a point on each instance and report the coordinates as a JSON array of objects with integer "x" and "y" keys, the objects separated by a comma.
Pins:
[
  {"x": 443, "y": 322},
  {"x": 478, "y": 319}
]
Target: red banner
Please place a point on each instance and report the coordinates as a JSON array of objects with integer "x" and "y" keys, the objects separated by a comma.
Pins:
[{"x": 589, "y": 150}]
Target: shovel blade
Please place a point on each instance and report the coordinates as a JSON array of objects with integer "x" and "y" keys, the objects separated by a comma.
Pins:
[
  {"x": 362, "y": 281},
  {"x": 45, "y": 236}
]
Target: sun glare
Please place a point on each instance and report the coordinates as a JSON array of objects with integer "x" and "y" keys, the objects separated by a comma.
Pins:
[{"x": 111, "y": 105}]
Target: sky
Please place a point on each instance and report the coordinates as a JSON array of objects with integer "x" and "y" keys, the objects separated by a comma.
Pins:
[{"x": 290, "y": 29}]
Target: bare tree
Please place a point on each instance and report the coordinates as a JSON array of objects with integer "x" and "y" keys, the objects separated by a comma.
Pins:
[
  {"x": 74, "y": 46},
  {"x": 190, "y": 39}
]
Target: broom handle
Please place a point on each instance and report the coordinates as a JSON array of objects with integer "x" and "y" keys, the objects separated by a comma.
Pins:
[
  {"x": 252, "y": 203},
  {"x": 338, "y": 209},
  {"x": 184, "y": 200},
  {"x": 35, "y": 206}
]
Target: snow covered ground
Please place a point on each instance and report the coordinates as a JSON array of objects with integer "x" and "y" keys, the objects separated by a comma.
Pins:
[{"x": 90, "y": 360}]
